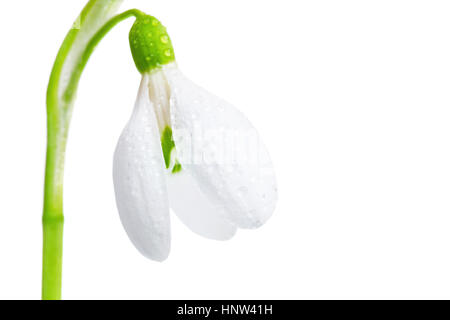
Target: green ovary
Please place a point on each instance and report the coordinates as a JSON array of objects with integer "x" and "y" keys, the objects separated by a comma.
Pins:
[{"x": 150, "y": 44}]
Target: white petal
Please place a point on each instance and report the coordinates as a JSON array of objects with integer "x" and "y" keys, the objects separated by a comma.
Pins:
[
  {"x": 139, "y": 181},
  {"x": 219, "y": 147},
  {"x": 195, "y": 210}
]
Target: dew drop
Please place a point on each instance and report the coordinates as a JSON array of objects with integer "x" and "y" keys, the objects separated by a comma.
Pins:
[
  {"x": 164, "y": 39},
  {"x": 167, "y": 53}
]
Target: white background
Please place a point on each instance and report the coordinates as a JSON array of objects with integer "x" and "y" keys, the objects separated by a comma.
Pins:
[{"x": 351, "y": 97}]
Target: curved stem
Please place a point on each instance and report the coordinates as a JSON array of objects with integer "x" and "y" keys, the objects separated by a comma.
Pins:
[
  {"x": 58, "y": 115},
  {"x": 75, "y": 77}
]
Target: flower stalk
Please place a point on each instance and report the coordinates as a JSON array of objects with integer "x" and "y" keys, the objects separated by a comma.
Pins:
[{"x": 92, "y": 25}]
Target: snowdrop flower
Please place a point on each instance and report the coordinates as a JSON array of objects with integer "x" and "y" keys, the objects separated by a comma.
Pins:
[{"x": 187, "y": 150}]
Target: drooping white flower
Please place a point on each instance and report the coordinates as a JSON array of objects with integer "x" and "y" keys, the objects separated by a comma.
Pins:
[{"x": 187, "y": 150}]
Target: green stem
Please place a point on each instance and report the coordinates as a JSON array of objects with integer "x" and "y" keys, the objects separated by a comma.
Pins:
[
  {"x": 75, "y": 77},
  {"x": 58, "y": 117}
]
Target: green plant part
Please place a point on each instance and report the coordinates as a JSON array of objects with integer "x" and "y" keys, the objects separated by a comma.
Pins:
[
  {"x": 168, "y": 145},
  {"x": 177, "y": 167},
  {"x": 150, "y": 44},
  {"x": 94, "y": 22}
]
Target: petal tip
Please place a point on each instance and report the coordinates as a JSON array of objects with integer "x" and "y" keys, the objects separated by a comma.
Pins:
[{"x": 157, "y": 253}]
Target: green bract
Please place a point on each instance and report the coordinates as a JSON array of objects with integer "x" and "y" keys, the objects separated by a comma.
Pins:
[{"x": 150, "y": 44}]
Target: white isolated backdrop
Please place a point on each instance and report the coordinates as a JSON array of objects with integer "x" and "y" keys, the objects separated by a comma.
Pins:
[{"x": 352, "y": 99}]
